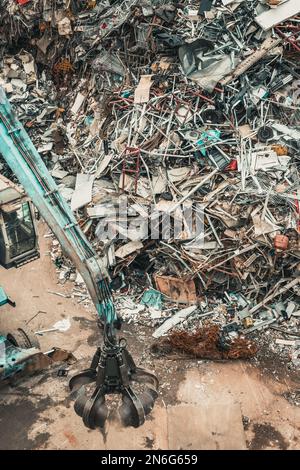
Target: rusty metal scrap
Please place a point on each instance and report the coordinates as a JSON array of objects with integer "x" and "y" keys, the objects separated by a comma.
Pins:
[{"x": 206, "y": 343}]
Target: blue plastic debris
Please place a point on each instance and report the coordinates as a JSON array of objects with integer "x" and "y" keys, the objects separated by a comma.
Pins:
[
  {"x": 152, "y": 298},
  {"x": 210, "y": 136}
]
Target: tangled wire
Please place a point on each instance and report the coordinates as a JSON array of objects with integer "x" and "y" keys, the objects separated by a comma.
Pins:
[{"x": 206, "y": 343}]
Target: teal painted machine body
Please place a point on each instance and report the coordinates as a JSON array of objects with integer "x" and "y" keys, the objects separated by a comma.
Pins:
[
  {"x": 26, "y": 163},
  {"x": 3, "y": 297},
  {"x": 12, "y": 359}
]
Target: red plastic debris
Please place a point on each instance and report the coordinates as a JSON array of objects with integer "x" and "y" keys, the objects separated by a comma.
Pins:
[
  {"x": 281, "y": 242},
  {"x": 232, "y": 166},
  {"x": 22, "y": 2}
]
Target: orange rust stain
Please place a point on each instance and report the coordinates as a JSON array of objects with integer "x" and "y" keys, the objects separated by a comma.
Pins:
[{"x": 71, "y": 438}]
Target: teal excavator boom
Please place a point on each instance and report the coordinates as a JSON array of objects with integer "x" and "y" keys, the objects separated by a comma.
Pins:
[{"x": 112, "y": 369}]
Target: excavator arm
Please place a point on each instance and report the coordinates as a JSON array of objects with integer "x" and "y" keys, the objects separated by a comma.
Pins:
[
  {"x": 24, "y": 160},
  {"x": 112, "y": 369}
]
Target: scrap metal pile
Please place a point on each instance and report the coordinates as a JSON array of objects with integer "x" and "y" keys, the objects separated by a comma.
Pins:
[{"x": 159, "y": 117}]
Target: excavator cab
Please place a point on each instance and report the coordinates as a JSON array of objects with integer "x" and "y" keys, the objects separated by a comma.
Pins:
[{"x": 18, "y": 234}]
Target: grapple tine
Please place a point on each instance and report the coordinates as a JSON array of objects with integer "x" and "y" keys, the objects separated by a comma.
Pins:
[
  {"x": 131, "y": 411},
  {"x": 95, "y": 411},
  {"x": 83, "y": 378},
  {"x": 145, "y": 376}
]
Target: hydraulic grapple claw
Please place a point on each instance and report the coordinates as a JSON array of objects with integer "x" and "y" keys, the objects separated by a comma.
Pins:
[{"x": 114, "y": 372}]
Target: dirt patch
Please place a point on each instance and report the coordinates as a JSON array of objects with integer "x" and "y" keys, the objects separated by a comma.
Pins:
[
  {"x": 274, "y": 365},
  {"x": 86, "y": 323},
  {"x": 17, "y": 419},
  {"x": 266, "y": 436},
  {"x": 149, "y": 443},
  {"x": 94, "y": 339}
]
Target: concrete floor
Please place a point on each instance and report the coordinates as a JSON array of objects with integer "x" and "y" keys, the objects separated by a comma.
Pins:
[{"x": 230, "y": 405}]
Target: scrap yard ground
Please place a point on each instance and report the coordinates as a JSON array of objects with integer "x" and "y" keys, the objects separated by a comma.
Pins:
[{"x": 202, "y": 404}]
